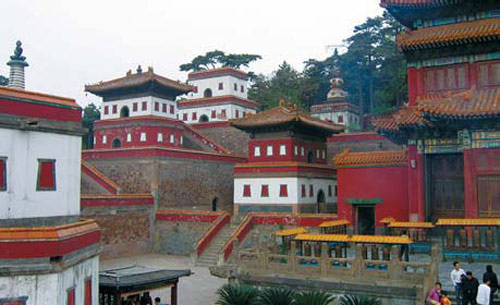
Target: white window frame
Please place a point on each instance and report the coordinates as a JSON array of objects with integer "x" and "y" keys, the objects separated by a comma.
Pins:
[
  {"x": 302, "y": 151},
  {"x": 269, "y": 150},
  {"x": 104, "y": 139},
  {"x": 159, "y": 137},
  {"x": 129, "y": 137},
  {"x": 282, "y": 150},
  {"x": 317, "y": 153},
  {"x": 95, "y": 140},
  {"x": 143, "y": 137},
  {"x": 296, "y": 150},
  {"x": 172, "y": 139},
  {"x": 256, "y": 151},
  {"x": 323, "y": 153}
]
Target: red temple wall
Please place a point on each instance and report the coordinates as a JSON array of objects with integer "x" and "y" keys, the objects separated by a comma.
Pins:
[
  {"x": 135, "y": 131},
  {"x": 387, "y": 183},
  {"x": 290, "y": 155}
]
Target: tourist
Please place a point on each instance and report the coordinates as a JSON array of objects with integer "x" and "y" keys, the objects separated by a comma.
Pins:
[
  {"x": 404, "y": 248},
  {"x": 146, "y": 299},
  {"x": 158, "y": 301},
  {"x": 492, "y": 277},
  {"x": 484, "y": 293},
  {"x": 469, "y": 289},
  {"x": 434, "y": 295},
  {"x": 457, "y": 275},
  {"x": 444, "y": 299}
]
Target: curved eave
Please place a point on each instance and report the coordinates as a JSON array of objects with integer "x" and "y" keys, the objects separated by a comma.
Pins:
[{"x": 450, "y": 43}]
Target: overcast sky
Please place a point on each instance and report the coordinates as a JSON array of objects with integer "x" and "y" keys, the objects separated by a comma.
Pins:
[{"x": 70, "y": 43}]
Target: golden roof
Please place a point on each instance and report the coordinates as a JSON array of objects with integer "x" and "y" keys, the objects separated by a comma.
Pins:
[
  {"x": 292, "y": 231},
  {"x": 417, "y": 225},
  {"x": 335, "y": 223},
  {"x": 387, "y": 220},
  {"x": 371, "y": 158},
  {"x": 367, "y": 239},
  {"x": 495, "y": 222}
]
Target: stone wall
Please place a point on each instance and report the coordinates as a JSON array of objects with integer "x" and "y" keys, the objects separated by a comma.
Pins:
[
  {"x": 90, "y": 186},
  {"x": 125, "y": 230},
  {"x": 359, "y": 143},
  {"x": 176, "y": 237},
  {"x": 234, "y": 140}
]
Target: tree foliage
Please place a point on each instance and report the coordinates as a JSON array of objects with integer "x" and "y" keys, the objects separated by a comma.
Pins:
[
  {"x": 358, "y": 300},
  {"x": 90, "y": 115},
  {"x": 276, "y": 296},
  {"x": 314, "y": 298},
  {"x": 4, "y": 81},
  {"x": 237, "y": 295},
  {"x": 216, "y": 58}
]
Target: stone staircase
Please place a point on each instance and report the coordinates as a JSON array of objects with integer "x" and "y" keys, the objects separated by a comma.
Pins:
[{"x": 210, "y": 255}]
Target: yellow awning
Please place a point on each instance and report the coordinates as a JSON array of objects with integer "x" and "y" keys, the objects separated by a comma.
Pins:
[
  {"x": 493, "y": 222},
  {"x": 335, "y": 223},
  {"x": 292, "y": 231},
  {"x": 367, "y": 239},
  {"x": 417, "y": 225},
  {"x": 387, "y": 220}
]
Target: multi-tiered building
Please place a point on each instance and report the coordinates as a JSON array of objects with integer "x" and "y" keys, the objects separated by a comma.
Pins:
[
  {"x": 48, "y": 254},
  {"x": 219, "y": 95},
  {"x": 287, "y": 168},
  {"x": 451, "y": 124},
  {"x": 337, "y": 108}
]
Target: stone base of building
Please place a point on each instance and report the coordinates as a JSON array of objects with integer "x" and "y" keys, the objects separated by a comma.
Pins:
[{"x": 243, "y": 209}]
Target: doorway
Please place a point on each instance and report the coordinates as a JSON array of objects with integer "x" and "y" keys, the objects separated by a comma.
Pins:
[
  {"x": 321, "y": 202},
  {"x": 365, "y": 220},
  {"x": 214, "y": 204}
]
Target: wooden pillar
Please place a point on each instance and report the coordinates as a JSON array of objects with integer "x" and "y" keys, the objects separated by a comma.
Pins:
[
  {"x": 173, "y": 294},
  {"x": 412, "y": 86},
  {"x": 470, "y": 186}
]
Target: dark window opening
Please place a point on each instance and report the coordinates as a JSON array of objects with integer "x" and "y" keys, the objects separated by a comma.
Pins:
[
  {"x": 310, "y": 157},
  {"x": 3, "y": 173},
  {"x": 124, "y": 112},
  {"x": 207, "y": 93},
  {"x": 215, "y": 201},
  {"x": 116, "y": 143},
  {"x": 203, "y": 119}
]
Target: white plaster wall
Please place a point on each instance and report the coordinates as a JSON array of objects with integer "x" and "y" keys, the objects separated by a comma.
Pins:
[
  {"x": 51, "y": 289},
  {"x": 213, "y": 84},
  {"x": 294, "y": 190},
  {"x": 129, "y": 103},
  {"x": 23, "y": 149},
  {"x": 230, "y": 113},
  {"x": 350, "y": 118}
]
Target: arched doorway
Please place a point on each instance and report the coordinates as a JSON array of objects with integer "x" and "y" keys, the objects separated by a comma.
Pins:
[
  {"x": 321, "y": 201},
  {"x": 214, "y": 204},
  {"x": 116, "y": 143},
  {"x": 310, "y": 157},
  {"x": 203, "y": 118},
  {"x": 207, "y": 93},
  {"x": 124, "y": 112}
]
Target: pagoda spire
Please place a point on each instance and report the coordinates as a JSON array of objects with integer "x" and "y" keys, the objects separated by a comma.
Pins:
[{"x": 17, "y": 63}]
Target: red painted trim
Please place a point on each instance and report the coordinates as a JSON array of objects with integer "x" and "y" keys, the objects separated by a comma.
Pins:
[
  {"x": 412, "y": 86},
  {"x": 205, "y": 240},
  {"x": 40, "y": 110},
  {"x": 226, "y": 99},
  {"x": 36, "y": 249},
  {"x": 137, "y": 119},
  {"x": 217, "y": 72},
  {"x": 114, "y": 201},
  {"x": 186, "y": 217},
  {"x": 210, "y": 125},
  {"x": 278, "y": 169},
  {"x": 158, "y": 152},
  {"x": 355, "y": 137}
]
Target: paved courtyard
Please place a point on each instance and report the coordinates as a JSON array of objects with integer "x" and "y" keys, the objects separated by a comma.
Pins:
[{"x": 198, "y": 289}]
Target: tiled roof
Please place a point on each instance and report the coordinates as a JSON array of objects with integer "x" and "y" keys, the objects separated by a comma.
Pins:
[
  {"x": 292, "y": 231},
  {"x": 368, "y": 239},
  {"x": 404, "y": 117},
  {"x": 467, "y": 104},
  {"x": 416, "y": 3},
  {"x": 217, "y": 72},
  {"x": 36, "y": 96},
  {"x": 411, "y": 224},
  {"x": 469, "y": 222},
  {"x": 451, "y": 34},
  {"x": 285, "y": 113},
  {"x": 371, "y": 158},
  {"x": 137, "y": 79},
  {"x": 335, "y": 223}
]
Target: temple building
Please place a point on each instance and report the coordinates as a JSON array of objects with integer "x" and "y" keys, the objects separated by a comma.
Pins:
[
  {"x": 450, "y": 128},
  {"x": 219, "y": 95},
  {"x": 48, "y": 254},
  {"x": 337, "y": 108},
  {"x": 287, "y": 168}
]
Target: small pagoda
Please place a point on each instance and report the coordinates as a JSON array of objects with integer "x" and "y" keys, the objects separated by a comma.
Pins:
[{"x": 287, "y": 168}]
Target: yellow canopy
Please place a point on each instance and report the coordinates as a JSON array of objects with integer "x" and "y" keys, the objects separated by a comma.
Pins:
[
  {"x": 292, "y": 231},
  {"x": 387, "y": 220},
  {"x": 493, "y": 222},
  {"x": 367, "y": 239},
  {"x": 417, "y": 225},
  {"x": 335, "y": 223}
]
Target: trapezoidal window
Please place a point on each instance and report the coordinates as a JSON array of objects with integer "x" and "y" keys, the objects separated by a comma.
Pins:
[
  {"x": 46, "y": 179},
  {"x": 124, "y": 112},
  {"x": 310, "y": 157},
  {"x": 116, "y": 143},
  {"x": 203, "y": 118},
  {"x": 207, "y": 93}
]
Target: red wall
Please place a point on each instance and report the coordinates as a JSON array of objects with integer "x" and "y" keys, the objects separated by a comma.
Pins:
[
  {"x": 151, "y": 136},
  {"x": 387, "y": 183},
  {"x": 290, "y": 150}
]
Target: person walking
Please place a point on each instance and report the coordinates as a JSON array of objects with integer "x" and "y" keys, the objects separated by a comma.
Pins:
[
  {"x": 469, "y": 289},
  {"x": 444, "y": 298},
  {"x": 434, "y": 295},
  {"x": 483, "y": 293},
  {"x": 492, "y": 277},
  {"x": 456, "y": 279}
]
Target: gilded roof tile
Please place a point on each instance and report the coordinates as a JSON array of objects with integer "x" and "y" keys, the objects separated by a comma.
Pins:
[{"x": 371, "y": 158}]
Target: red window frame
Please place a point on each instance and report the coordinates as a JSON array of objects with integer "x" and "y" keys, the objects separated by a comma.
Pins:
[
  {"x": 221, "y": 86},
  {"x": 144, "y": 106},
  {"x": 88, "y": 292},
  {"x": 3, "y": 174},
  {"x": 164, "y": 108},
  {"x": 46, "y": 179},
  {"x": 194, "y": 116},
  {"x": 431, "y": 77},
  {"x": 172, "y": 109},
  {"x": 213, "y": 115},
  {"x": 134, "y": 107},
  {"x": 247, "y": 192},
  {"x": 195, "y": 89},
  {"x": 242, "y": 89},
  {"x": 341, "y": 119},
  {"x": 283, "y": 190},
  {"x": 264, "y": 191},
  {"x": 115, "y": 108},
  {"x": 303, "y": 191},
  {"x": 237, "y": 114},
  {"x": 223, "y": 113},
  {"x": 106, "y": 109},
  {"x": 71, "y": 296},
  {"x": 235, "y": 87},
  {"x": 311, "y": 190},
  {"x": 157, "y": 106},
  {"x": 184, "y": 116},
  {"x": 489, "y": 82}
]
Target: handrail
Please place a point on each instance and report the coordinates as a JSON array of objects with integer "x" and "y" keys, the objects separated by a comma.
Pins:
[
  {"x": 96, "y": 174},
  {"x": 229, "y": 244},
  {"x": 209, "y": 235}
]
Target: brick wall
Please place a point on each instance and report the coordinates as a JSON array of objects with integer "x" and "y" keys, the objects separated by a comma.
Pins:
[
  {"x": 90, "y": 186},
  {"x": 334, "y": 148},
  {"x": 234, "y": 140},
  {"x": 176, "y": 237}
]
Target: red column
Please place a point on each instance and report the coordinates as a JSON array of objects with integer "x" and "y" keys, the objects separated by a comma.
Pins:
[
  {"x": 416, "y": 184},
  {"x": 470, "y": 186},
  {"x": 173, "y": 294},
  {"x": 473, "y": 75},
  {"x": 412, "y": 86}
]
